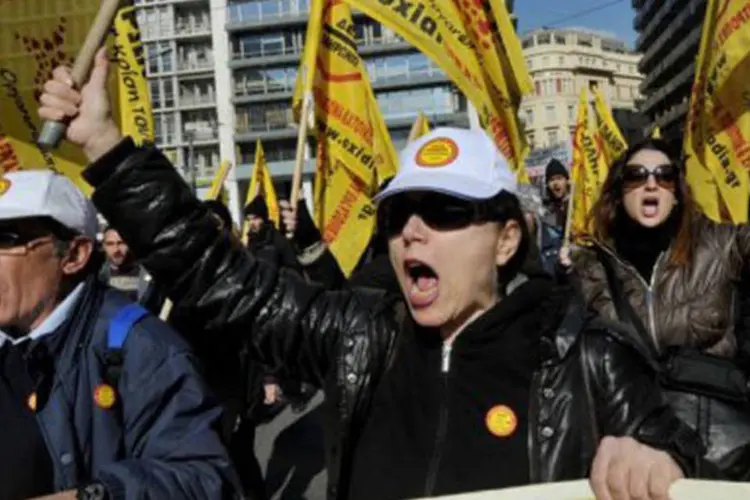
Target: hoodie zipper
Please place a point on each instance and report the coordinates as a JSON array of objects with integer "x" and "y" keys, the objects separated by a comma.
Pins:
[{"x": 437, "y": 452}]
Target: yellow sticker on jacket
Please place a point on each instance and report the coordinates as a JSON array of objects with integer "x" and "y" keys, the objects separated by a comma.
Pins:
[
  {"x": 501, "y": 421},
  {"x": 105, "y": 396},
  {"x": 4, "y": 185},
  {"x": 32, "y": 401},
  {"x": 438, "y": 152}
]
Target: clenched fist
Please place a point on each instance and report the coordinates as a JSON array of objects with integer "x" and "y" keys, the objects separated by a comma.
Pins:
[{"x": 89, "y": 112}]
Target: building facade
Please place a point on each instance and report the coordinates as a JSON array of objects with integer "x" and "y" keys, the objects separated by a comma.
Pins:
[
  {"x": 669, "y": 38},
  {"x": 562, "y": 62},
  {"x": 222, "y": 73}
]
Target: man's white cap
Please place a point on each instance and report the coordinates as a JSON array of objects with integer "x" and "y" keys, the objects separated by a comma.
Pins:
[
  {"x": 457, "y": 162},
  {"x": 43, "y": 193}
]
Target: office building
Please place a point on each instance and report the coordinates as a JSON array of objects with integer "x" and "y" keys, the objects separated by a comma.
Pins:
[
  {"x": 562, "y": 62},
  {"x": 669, "y": 39}
]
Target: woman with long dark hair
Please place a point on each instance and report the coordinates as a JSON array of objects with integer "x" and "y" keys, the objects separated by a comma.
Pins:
[{"x": 660, "y": 266}]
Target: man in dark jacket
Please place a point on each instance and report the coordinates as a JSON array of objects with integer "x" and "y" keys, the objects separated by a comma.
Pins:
[
  {"x": 418, "y": 403},
  {"x": 557, "y": 180},
  {"x": 98, "y": 399}
]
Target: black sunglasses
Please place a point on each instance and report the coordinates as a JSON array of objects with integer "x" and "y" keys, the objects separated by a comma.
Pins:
[
  {"x": 635, "y": 176},
  {"x": 440, "y": 212}
]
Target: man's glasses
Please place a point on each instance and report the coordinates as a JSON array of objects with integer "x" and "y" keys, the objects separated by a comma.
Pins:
[
  {"x": 439, "y": 212},
  {"x": 16, "y": 242},
  {"x": 636, "y": 176}
]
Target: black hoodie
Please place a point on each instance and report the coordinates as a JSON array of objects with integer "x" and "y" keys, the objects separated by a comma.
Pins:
[{"x": 428, "y": 433}]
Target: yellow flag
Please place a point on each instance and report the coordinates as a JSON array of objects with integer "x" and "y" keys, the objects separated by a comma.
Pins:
[
  {"x": 344, "y": 212},
  {"x": 136, "y": 114},
  {"x": 261, "y": 184},
  {"x": 217, "y": 185},
  {"x": 656, "y": 132},
  {"x": 461, "y": 42},
  {"x": 511, "y": 50},
  {"x": 718, "y": 129},
  {"x": 355, "y": 153},
  {"x": 420, "y": 127},
  {"x": 612, "y": 142},
  {"x": 35, "y": 37},
  {"x": 588, "y": 171}
]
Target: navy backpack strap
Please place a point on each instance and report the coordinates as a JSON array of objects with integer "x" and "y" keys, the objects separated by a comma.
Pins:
[{"x": 119, "y": 328}]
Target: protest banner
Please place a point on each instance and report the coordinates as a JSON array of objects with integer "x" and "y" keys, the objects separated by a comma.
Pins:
[
  {"x": 261, "y": 184},
  {"x": 437, "y": 28},
  {"x": 716, "y": 136},
  {"x": 355, "y": 154},
  {"x": 588, "y": 171},
  {"x": 611, "y": 141},
  {"x": 39, "y": 36},
  {"x": 683, "y": 489}
]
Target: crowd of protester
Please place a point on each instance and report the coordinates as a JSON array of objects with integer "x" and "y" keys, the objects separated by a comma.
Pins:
[{"x": 473, "y": 348}]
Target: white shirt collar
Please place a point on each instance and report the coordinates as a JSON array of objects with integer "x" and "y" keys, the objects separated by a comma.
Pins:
[{"x": 51, "y": 322}]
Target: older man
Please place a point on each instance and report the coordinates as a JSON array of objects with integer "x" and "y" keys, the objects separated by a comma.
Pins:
[{"x": 98, "y": 399}]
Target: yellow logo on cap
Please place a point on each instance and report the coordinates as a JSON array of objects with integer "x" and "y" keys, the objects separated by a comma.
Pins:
[
  {"x": 438, "y": 152},
  {"x": 104, "y": 396},
  {"x": 4, "y": 186},
  {"x": 501, "y": 421}
]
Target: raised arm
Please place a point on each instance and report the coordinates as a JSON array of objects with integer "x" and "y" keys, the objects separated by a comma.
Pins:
[{"x": 228, "y": 294}]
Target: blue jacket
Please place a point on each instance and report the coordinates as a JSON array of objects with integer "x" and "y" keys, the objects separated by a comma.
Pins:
[{"x": 160, "y": 440}]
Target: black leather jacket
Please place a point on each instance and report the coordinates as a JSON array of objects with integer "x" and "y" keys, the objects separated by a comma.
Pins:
[{"x": 591, "y": 382}]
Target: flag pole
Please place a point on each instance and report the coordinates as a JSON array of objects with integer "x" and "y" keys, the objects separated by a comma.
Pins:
[
  {"x": 299, "y": 160},
  {"x": 569, "y": 215},
  {"x": 52, "y": 132}
]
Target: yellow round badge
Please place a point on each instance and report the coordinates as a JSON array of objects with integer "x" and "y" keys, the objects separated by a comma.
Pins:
[
  {"x": 501, "y": 421},
  {"x": 438, "y": 152},
  {"x": 104, "y": 396},
  {"x": 4, "y": 186},
  {"x": 32, "y": 401}
]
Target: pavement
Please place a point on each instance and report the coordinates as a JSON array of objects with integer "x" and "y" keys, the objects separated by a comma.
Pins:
[{"x": 290, "y": 449}]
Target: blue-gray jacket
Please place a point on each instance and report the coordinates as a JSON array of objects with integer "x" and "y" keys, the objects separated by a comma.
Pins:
[{"x": 160, "y": 441}]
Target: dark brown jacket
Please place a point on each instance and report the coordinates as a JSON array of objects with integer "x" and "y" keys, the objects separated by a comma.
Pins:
[{"x": 693, "y": 305}]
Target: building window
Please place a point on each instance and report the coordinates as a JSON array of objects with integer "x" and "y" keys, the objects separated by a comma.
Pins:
[
  {"x": 408, "y": 103},
  {"x": 527, "y": 42},
  {"x": 585, "y": 40},
  {"x": 552, "y": 137},
  {"x": 560, "y": 39},
  {"x": 545, "y": 61},
  {"x": 529, "y": 116},
  {"x": 544, "y": 39},
  {"x": 562, "y": 60},
  {"x": 550, "y": 113},
  {"x": 571, "y": 113}
]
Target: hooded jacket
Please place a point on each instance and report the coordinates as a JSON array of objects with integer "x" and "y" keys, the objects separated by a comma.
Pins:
[{"x": 589, "y": 380}]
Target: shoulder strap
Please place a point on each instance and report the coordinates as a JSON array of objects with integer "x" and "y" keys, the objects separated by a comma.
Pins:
[{"x": 119, "y": 328}]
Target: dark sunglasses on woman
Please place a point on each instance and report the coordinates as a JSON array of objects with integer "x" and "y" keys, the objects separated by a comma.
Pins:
[
  {"x": 635, "y": 176},
  {"x": 439, "y": 212}
]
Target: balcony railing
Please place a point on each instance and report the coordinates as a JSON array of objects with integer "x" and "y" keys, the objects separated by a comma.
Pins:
[
  {"x": 266, "y": 10},
  {"x": 201, "y": 65},
  {"x": 192, "y": 28},
  {"x": 199, "y": 134},
  {"x": 201, "y": 100}
]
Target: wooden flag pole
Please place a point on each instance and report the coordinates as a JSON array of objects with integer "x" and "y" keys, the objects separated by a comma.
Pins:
[
  {"x": 569, "y": 215},
  {"x": 52, "y": 132},
  {"x": 299, "y": 160}
]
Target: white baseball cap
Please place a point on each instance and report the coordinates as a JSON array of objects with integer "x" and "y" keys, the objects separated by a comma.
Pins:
[
  {"x": 43, "y": 193},
  {"x": 457, "y": 162}
]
